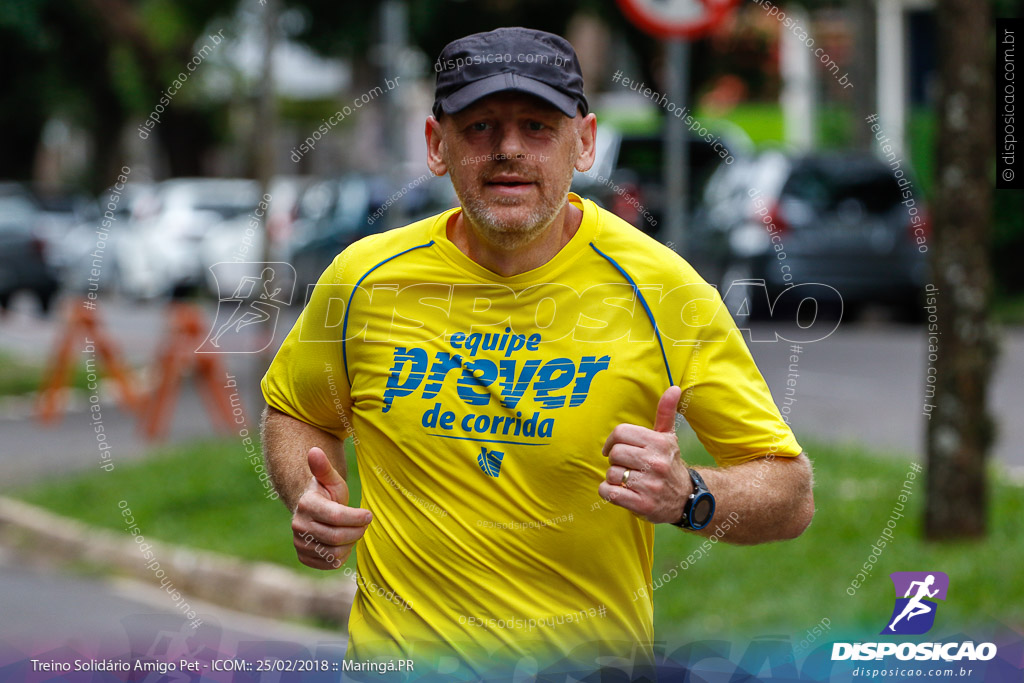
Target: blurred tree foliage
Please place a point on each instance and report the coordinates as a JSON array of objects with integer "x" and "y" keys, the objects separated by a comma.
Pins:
[
  {"x": 351, "y": 28},
  {"x": 50, "y": 67},
  {"x": 102, "y": 64}
]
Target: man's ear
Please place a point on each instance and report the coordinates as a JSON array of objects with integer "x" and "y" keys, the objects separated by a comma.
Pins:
[
  {"x": 435, "y": 139},
  {"x": 586, "y": 129}
]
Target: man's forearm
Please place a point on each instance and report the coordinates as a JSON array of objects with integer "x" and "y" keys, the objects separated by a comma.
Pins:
[
  {"x": 772, "y": 499},
  {"x": 286, "y": 442}
]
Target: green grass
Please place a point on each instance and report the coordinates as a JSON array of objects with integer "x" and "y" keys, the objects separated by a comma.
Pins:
[
  {"x": 1008, "y": 309},
  {"x": 639, "y": 121},
  {"x": 207, "y": 495},
  {"x": 789, "y": 587},
  {"x": 764, "y": 123},
  {"x": 204, "y": 494},
  {"x": 921, "y": 131},
  {"x": 18, "y": 377}
]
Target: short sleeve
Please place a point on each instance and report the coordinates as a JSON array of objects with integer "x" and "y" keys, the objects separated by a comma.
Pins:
[
  {"x": 725, "y": 398},
  {"x": 307, "y": 377}
]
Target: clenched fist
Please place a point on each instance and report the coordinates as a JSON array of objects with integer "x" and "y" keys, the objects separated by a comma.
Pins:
[{"x": 324, "y": 528}]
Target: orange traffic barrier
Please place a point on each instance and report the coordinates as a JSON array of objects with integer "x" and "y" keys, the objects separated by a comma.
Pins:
[
  {"x": 175, "y": 359},
  {"x": 81, "y": 324}
]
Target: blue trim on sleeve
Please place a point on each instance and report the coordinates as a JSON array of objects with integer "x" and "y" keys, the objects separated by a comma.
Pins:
[
  {"x": 348, "y": 307},
  {"x": 643, "y": 302}
]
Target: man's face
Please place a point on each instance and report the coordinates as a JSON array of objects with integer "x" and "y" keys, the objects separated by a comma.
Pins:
[{"x": 511, "y": 158}]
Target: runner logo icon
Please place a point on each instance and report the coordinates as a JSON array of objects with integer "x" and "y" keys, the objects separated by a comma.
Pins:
[{"x": 916, "y": 592}]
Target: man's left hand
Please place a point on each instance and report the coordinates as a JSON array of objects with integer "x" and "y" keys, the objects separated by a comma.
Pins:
[{"x": 658, "y": 482}]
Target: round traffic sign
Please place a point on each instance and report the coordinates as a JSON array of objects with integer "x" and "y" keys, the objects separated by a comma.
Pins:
[{"x": 676, "y": 18}]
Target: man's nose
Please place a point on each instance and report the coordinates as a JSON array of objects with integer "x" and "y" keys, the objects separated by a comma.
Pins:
[{"x": 510, "y": 144}]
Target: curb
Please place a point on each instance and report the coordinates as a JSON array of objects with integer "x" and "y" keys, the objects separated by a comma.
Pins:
[{"x": 260, "y": 588}]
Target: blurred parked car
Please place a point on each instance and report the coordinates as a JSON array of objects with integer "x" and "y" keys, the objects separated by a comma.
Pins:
[
  {"x": 161, "y": 252},
  {"x": 335, "y": 213},
  {"x": 60, "y": 211},
  {"x": 835, "y": 219},
  {"x": 23, "y": 259},
  {"x": 76, "y": 254},
  {"x": 240, "y": 238},
  {"x": 628, "y": 175}
]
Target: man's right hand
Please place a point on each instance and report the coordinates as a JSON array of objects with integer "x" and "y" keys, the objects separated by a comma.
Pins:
[{"x": 324, "y": 528}]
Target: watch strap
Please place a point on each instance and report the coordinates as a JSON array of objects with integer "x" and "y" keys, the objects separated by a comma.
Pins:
[{"x": 698, "y": 487}]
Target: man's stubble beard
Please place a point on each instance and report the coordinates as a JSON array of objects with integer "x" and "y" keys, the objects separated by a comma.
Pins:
[{"x": 500, "y": 230}]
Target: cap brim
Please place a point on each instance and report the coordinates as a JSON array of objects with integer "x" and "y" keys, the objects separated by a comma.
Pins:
[{"x": 460, "y": 99}]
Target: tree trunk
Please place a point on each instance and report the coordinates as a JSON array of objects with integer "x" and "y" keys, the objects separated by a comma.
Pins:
[
  {"x": 185, "y": 136},
  {"x": 108, "y": 121},
  {"x": 959, "y": 430},
  {"x": 862, "y": 71}
]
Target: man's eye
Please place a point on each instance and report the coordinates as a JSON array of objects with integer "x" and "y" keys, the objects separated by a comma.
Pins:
[
  {"x": 479, "y": 126},
  {"x": 536, "y": 125}
]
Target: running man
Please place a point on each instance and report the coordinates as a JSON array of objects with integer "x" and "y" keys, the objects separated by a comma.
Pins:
[
  {"x": 511, "y": 371},
  {"x": 915, "y": 606}
]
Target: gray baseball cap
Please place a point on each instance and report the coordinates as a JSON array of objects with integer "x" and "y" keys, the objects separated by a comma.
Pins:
[{"x": 509, "y": 59}]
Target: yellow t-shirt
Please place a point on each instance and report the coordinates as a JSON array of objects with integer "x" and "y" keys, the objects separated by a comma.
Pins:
[{"x": 479, "y": 405}]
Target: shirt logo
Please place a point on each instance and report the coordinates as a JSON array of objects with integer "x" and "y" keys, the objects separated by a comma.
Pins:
[
  {"x": 914, "y": 613},
  {"x": 490, "y": 462},
  {"x": 485, "y": 386}
]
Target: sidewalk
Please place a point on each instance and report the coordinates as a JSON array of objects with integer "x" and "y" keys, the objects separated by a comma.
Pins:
[{"x": 257, "y": 588}]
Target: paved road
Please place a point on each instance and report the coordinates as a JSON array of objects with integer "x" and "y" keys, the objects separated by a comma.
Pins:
[
  {"x": 865, "y": 383},
  {"x": 47, "y": 616}
]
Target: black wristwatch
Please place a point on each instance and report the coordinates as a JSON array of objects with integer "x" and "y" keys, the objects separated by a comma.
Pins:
[{"x": 699, "y": 507}]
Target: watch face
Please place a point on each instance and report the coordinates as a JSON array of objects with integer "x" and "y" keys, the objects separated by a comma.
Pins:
[{"x": 701, "y": 512}]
